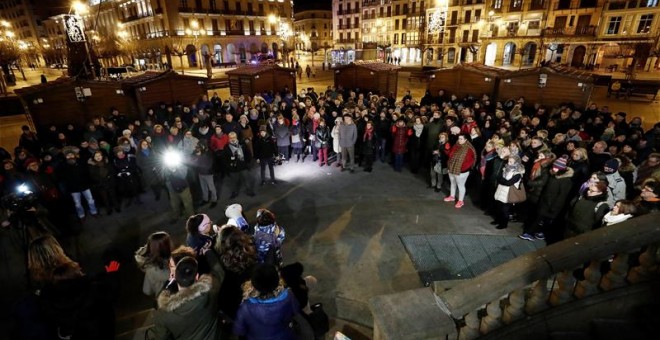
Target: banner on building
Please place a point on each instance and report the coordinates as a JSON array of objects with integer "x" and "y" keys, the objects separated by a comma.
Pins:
[{"x": 74, "y": 28}]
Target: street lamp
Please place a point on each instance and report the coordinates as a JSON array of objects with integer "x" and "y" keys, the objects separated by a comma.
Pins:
[
  {"x": 79, "y": 9},
  {"x": 195, "y": 31},
  {"x": 284, "y": 32}
]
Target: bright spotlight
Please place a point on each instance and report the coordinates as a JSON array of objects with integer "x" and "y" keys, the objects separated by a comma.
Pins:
[
  {"x": 172, "y": 158},
  {"x": 23, "y": 189}
]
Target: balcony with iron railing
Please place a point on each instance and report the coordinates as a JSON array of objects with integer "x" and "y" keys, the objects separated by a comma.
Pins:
[
  {"x": 345, "y": 41},
  {"x": 137, "y": 17},
  {"x": 569, "y": 31},
  {"x": 535, "y": 294}
]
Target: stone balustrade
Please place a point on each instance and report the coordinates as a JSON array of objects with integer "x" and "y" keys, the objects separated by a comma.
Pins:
[{"x": 528, "y": 285}]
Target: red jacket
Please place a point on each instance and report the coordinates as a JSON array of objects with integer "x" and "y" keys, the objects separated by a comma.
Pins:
[
  {"x": 218, "y": 143},
  {"x": 401, "y": 135}
]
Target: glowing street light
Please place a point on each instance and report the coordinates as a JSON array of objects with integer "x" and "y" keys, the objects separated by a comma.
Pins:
[
  {"x": 79, "y": 7},
  {"x": 10, "y": 34},
  {"x": 4, "y": 23}
]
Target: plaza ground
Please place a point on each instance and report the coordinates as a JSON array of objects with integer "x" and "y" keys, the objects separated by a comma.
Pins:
[{"x": 343, "y": 227}]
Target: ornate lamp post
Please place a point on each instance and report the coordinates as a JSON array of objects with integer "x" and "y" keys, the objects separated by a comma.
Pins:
[{"x": 196, "y": 31}]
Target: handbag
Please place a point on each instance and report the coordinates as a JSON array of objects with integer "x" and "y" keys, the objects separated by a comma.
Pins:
[
  {"x": 438, "y": 167},
  {"x": 517, "y": 195}
]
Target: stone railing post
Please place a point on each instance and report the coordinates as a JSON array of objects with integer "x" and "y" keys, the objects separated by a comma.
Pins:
[
  {"x": 589, "y": 285},
  {"x": 616, "y": 277},
  {"x": 516, "y": 307},
  {"x": 493, "y": 318},
  {"x": 471, "y": 329},
  {"x": 647, "y": 265},
  {"x": 562, "y": 293},
  {"x": 538, "y": 301}
]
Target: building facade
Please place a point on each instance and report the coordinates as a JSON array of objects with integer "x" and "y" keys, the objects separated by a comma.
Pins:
[
  {"x": 187, "y": 33},
  {"x": 313, "y": 33},
  {"x": 21, "y": 22},
  {"x": 504, "y": 33}
]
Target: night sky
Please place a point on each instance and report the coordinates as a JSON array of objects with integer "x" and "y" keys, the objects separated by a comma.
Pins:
[{"x": 301, "y": 5}]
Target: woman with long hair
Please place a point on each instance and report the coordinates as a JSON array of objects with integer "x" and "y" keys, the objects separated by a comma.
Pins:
[
  {"x": 462, "y": 157},
  {"x": 72, "y": 304},
  {"x": 237, "y": 256},
  {"x": 199, "y": 228},
  {"x": 153, "y": 259}
]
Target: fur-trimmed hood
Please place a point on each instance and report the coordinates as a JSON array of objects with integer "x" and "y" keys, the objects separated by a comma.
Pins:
[
  {"x": 170, "y": 302},
  {"x": 568, "y": 174}
]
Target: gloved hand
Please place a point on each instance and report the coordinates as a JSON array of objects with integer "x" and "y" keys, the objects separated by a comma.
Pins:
[{"x": 112, "y": 267}]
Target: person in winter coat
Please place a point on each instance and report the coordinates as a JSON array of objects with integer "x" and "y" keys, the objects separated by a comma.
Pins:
[
  {"x": 439, "y": 162},
  {"x": 246, "y": 135},
  {"x": 75, "y": 179},
  {"x": 461, "y": 158},
  {"x": 511, "y": 176},
  {"x": 321, "y": 141},
  {"x": 431, "y": 130},
  {"x": 369, "y": 142},
  {"x": 199, "y": 228},
  {"x": 153, "y": 259},
  {"x": 179, "y": 192},
  {"x": 400, "y": 134},
  {"x": 188, "y": 308},
  {"x": 552, "y": 200},
  {"x": 235, "y": 160},
  {"x": 149, "y": 164},
  {"x": 347, "y": 139},
  {"x": 268, "y": 307},
  {"x": 538, "y": 177},
  {"x": 587, "y": 211},
  {"x": 102, "y": 175},
  {"x": 238, "y": 256},
  {"x": 415, "y": 144},
  {"x": 72, "y": 304},
  {"x": 616, "y": 183},
  {"x": 268, "y": 238},
  {"x": 335, "y": 140},
  {"x": 283, "y": 136},
  {"x": 202, "y": 163},
  {"x": 297, "y": 137},
  {"x": 265, "y": 152},
  {"x": 128, "y": 177}
]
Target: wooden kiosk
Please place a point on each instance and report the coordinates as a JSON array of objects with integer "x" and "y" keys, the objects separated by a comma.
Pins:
[
  {"x": 374, "y": 76},
  {"x": 251, "y": 79}
]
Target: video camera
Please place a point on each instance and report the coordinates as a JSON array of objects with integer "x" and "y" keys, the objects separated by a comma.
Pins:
[{"x": 21, "y": 200}]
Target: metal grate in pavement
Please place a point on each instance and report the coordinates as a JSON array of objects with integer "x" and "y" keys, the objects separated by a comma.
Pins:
[{"x": 454, "y": 257}]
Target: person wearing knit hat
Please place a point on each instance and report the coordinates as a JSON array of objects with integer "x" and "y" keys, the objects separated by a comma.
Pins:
[
  {"x": 560, "y": 164},
  {"x": 267, "y": 308},
  {"x": 552, "y": 200},
  {"x": 616, "y": 183}
]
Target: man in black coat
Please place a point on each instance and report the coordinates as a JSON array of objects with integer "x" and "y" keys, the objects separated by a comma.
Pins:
[
  {"x": 75, "y": 180},
  {"x": 264, "y": 151},
  {"x": 236, "y": 159}
]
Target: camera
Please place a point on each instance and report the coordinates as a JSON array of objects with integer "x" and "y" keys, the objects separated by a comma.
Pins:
[{"x": 21, "y": 200}]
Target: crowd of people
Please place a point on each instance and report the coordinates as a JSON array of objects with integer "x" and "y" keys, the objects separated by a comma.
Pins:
[{"x": 561, "y": 171}]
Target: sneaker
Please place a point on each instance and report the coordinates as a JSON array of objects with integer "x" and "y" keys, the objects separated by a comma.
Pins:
[
  {"x": 459, "y": 204},
  {"x": 526, "y": 236},
  {"x": 449, "y": 199},
  {"x": 539, "y": 236}
]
